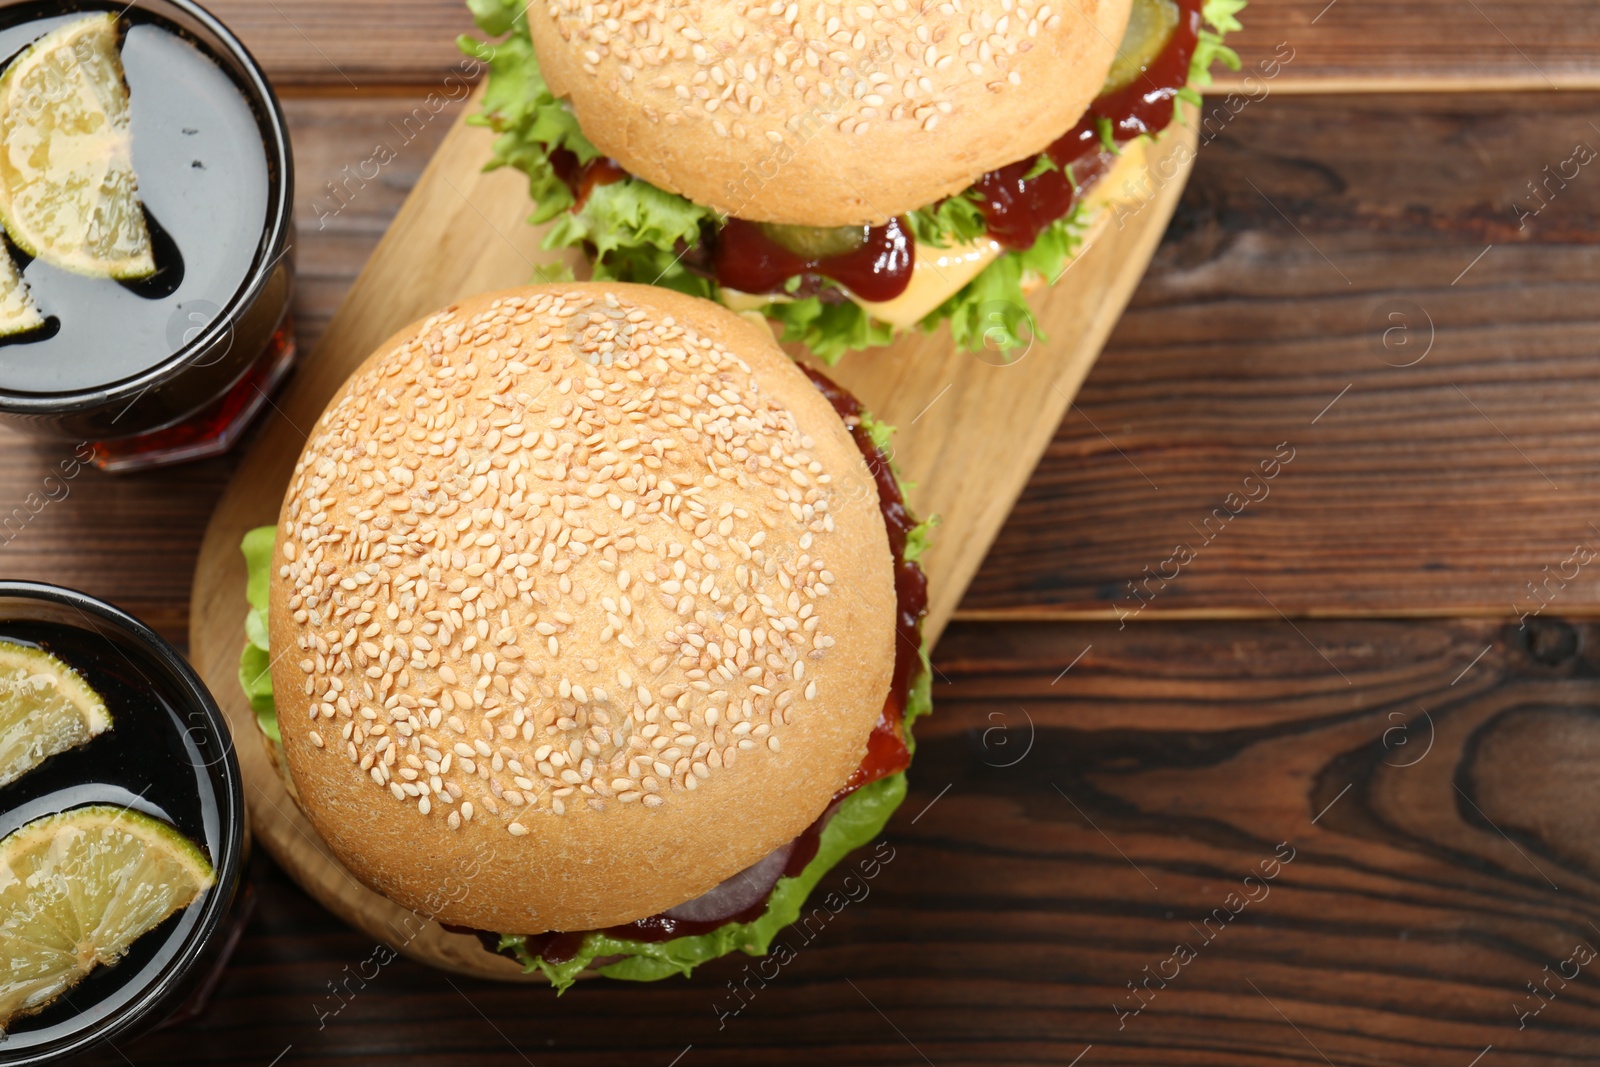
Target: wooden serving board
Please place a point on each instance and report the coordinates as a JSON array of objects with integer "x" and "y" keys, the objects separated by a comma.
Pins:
[{"x": 971, "y": 428}]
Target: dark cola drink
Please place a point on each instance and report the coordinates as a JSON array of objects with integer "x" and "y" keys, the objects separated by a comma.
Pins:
[
  {"x": 167, "y": 755},
  {"x": 172, "y": 366}
]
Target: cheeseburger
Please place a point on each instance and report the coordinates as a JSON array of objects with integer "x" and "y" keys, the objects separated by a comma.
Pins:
[
  {"x": 847, "y": 169},
  {"x": 591, "y": 591}
]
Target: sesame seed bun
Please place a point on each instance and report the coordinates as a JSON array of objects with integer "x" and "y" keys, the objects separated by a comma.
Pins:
[
  {"x": 530, "y": 538},
  {"x": 814, "y": 114}
]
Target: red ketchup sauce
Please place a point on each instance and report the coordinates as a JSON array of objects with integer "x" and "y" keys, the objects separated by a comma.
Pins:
[
  {"x": 748, "y": 260},
  {"x": 745, "y": 258},
  {"x": 1018, "y": 209},
  {"x": 886, "y": 746},
  {"x": 584, "y": 178}
]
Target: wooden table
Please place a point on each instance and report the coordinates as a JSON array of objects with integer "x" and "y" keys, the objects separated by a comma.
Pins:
[{"x": 1349, "y": 692}]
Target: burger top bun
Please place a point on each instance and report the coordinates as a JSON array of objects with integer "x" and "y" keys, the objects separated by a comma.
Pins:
[
  {"x": 824, "y": 113},
  {"x": 581, "y": 603}
]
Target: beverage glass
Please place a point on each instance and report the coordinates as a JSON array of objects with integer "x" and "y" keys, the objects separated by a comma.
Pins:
[
  {"x": 168, "y": 754},
  {"x": 172, "y": 367}
]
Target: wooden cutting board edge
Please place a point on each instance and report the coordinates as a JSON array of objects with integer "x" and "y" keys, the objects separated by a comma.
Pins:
[{"x": 970, "y": 431}]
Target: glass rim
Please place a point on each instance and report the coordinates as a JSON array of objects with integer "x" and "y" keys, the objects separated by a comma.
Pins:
[
  {"x": 229, "y": 782},
  {"x": 275, "y": 245}
]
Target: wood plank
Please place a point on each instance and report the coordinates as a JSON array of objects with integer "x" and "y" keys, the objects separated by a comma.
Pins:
[
  {"x": 1347, "y": 45},
  {"x": 1443, "y": 487},
  {"x": 350, "y": 44},
  {"x": 1064, "y": 833},
  {"x": 1418, "y": 45},
  {"x": 467, "y": 226}
]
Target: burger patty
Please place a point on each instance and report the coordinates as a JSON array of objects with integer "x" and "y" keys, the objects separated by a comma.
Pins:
[{"x": 887, "y": 750}]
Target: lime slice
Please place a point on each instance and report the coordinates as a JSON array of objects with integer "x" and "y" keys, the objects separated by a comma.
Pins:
[
  {"x": 18, "y": 312},
  {"x": 45, "y": 707},
  {"x": 77, "y": 889},
  {"x": 68, "y": 194}
]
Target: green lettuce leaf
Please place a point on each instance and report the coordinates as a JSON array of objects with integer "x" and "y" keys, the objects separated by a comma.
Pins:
[
  {"x": 991, "y": 311},
  {"x": 920, "y": 539},
  {"x": 882, "y": 436},
  {"x": 495, "y": 17},
  {"x": 1220, "y": 18},
  {"x": 861, "y": 816},
  {"x": 255, "y": 664},
  {"x": 828, "y": 329},
  {"x": 518, "y": 105},
  {"x": 636, "y": 230},
  {"x": 955, "y": 220}
]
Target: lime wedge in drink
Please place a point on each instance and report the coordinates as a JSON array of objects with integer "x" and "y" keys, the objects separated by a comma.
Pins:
[
  {"x": 77, "y": 889},
  {"x": 68, "y": 194},
  {"x": 18, "y": 312},
  {"x": 45, "y": 707}
]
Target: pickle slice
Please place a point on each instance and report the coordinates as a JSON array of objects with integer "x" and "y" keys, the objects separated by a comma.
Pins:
[
  {"x": 816, "y": 242},
  {"x": 1150, "y": 27}
]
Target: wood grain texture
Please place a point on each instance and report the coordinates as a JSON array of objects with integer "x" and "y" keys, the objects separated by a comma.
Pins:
[
  {"x": 1066, "y": 831},
  {"x": 350, "y": 44},
  {"x": 1444, "y": 486},
  {"x": 1347, "y": 45},
  {"x": 467, "y": 226},
  {"x": 1419, "y": 45}
]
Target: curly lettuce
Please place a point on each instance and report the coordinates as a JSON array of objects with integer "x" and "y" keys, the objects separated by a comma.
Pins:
[
  {"x": 639, "y": 233},
  {"x": 255, "y": 663},
  {"x": 955, "y": 220},
  {"x": 519, "y": 106},
  {"x": 636, "y": 231},
  {"x": 1220, "y": 18},
  {"x": 828, "y": 329},
  {"x": 991, "y": 311}
]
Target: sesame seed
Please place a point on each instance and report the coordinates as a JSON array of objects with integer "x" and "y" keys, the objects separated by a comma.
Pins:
[
  {"x": 546, "y": 501},
  {"x": 772, "y": 62}
]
